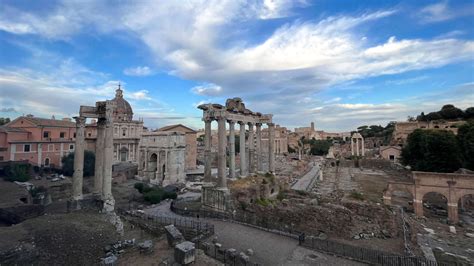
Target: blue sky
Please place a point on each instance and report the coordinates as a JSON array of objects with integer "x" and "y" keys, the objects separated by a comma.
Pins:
[{"x": 340, "y": 63}]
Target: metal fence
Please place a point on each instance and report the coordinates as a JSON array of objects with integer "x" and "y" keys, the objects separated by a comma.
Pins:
[{"x": 364, "y": 254}]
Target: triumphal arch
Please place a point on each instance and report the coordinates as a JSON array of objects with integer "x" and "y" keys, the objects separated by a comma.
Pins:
[
  {"x": 234, "y": 111},
  {"x": 453, "y": 186}
]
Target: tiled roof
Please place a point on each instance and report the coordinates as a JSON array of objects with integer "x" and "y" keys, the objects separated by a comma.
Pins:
[
  {"x": 12, "y": 129},
  {"x": 49, "y": 122}
]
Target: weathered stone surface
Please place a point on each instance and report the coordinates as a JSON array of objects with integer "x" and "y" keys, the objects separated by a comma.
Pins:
[
  {"x": 184, "y": 253},
  {"x": 173, "y": 235},
  {"x": 146, "y": 246}
]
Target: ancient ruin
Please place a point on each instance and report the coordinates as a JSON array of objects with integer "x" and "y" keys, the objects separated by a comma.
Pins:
[
  {"x": 103, "y": 112},
  {"x": 357, "y": 145},
  {"x": 162, "y": 158},
  {"x": 452, "y": 186},
  {"x": 233, "y": 112}
]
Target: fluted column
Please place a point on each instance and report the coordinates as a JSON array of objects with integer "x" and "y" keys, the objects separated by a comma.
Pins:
[
  {"x": 243, "y": 161},
  {"x": 207, "y": 150},
  {"x": 357, "y": 146},
  {"x": 271, "y": 143},
  {"x": 221, "y": 159},
  {"x": 108, "y": 159},
  {"x": 251, "y": 142},
  {"x": 99, "y": 157},
  {"x": 78, "y": 175},
  {"x": 259, "y": 146},
  {"x": 232, "y": 149}
]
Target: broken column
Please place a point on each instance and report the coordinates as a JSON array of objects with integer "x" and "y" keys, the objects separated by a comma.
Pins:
[{"x": 78, "y": 158}]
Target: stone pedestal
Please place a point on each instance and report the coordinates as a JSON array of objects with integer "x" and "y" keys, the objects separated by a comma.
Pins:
[
  {"x": 184, "y": 253},
  {"x": 173, "y": 235}
]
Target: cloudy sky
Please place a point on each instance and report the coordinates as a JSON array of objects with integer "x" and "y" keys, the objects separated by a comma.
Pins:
[{"x": 339, "y": 63}]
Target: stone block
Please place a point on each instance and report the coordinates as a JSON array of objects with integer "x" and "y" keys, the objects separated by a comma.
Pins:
[
  {"x": 173, "y": 235},
  {"x": 185, "y": 253}
]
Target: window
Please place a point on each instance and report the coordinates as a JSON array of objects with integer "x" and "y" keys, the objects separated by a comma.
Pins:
[
  {"x": 74, "y": 134},
  {"x": 71, "y": 147},
  {"x": 1, "y": 159},
  {"x": 392, "y": 157},
  {"x": 89, "y": 134},
  {"x": 124, "y": 133},
  {"x": 46, "y": 134},
  {"x": 26, "y": 148},
  {"x": 62, "y": 135},
  {"x": 46, "y": 162}
]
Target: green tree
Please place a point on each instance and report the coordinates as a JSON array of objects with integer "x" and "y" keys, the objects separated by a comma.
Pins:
[
  {"x": 89, "y": 164},
  {"x": 432, "y": 151},
  {"x": 466, "y": 143},
  {"x": 4, "y": 120},
  {"x": 450, "y": 112},
  {"x": 469, "y": 113},
  {"x": 320, "y": 147},
  {"x": 17, "y": 172}
]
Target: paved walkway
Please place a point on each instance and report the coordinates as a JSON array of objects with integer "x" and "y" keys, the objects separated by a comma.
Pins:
[
  {"x": 306, "y": 182},
  {"x": 269, "y": 248}
]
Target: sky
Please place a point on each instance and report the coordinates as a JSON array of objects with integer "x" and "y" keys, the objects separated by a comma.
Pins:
[{"x": 339, "y": 63}]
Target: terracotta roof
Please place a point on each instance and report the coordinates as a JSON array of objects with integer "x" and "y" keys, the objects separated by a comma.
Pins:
[
  {"x": 49, "y": 122},
  {"x": 12, "y": 129},
  {"x": 170, "y": 127}
]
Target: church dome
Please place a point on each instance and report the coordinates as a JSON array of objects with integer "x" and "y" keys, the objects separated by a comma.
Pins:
[{"x": 123, "y": 111}]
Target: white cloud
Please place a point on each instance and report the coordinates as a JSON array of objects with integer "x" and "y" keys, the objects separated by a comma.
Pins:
[
  {"x": 140, "y": 95},
  {"x": 442, "y": 11},
  {"x": 207, "y": 90},
  {"x": 140, "y": 71}
]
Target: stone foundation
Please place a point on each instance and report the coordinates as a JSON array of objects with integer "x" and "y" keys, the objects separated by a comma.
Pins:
[{"x": 216, "y": 199}]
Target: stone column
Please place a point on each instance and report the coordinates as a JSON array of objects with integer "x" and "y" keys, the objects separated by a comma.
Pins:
[
  {"x": 207, "y": 150},
  {"x": 243, "y": 161},
  {"x": 259, "y": 146},
  {"x": 357, "y": 146},
  {"x": 99, "y": 157},
  {"x": 78, "y": 159},
  {"x": 232, "y": 149},
  {"x": 352, "y": 146},
  {"x": 109, "y": 202},
  {"x": 271, "y": 143},
  {"x": 221, "y": 159},
  {"x": 418, "y": 207},
  {"x": 251, "y": 141},
  {"x": 363, "y": 147}
]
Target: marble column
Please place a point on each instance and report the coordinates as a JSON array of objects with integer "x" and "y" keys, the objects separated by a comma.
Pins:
[
  {"x": 243, "y": 161},
  {"x": 207, "y": 150},
  {"x": 259, "y": 147},
  {"x": 352, "y": 146},
  {"x": 108, "y": 159},
  {"x": 251, "y": 142},
  {"x": 363, "y": 147},
  {"x": 232, "y": 149},
  {"x": 357, "y": 146},
  {"x": 99, "y": 157},
  {"x": 271, "y": 143},
  {"x": 78, "y": 175},
  {"x": 221, "y": 157}
]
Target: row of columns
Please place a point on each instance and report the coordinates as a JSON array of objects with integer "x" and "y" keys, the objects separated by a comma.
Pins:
[
  {"x": 103, "y": 159},
  {"x": 359, "y": 150},
  {"x": 253, "y": 163}
]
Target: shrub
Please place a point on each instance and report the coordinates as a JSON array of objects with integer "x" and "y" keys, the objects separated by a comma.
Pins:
[
  {"x": 17, "y": 172},
  {"x": 281, "y": 195},
  {"x": 139, "y": 187},
  {"x": 357, "y": 195},
  {"x": 263, "y": 202},
  {"x": 154, "y": 196}
]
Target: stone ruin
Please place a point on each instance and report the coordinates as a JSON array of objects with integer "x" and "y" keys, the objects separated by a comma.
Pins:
[
  {"x": 217, "y": 196},
  {"x": 103, "y": 112}
]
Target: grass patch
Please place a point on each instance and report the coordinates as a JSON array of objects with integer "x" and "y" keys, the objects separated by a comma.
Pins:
[{"x": 357, "y": 195}]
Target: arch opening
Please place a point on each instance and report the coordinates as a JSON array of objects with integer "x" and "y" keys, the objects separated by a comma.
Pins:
[
  {"x": 435, "y": 205},
  {"x": 466, "y": 209}
]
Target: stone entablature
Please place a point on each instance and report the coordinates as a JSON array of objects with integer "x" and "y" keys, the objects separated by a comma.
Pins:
[
  {"x": 452, "y": 186},
  {"x": 162, "y": 158}
]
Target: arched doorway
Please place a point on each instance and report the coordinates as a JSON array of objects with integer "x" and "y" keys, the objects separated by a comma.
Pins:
[
  {"x": 153, "y": 164},
  {"x": 466, "y": 209},
  {"x": 435, "y": 205},
  {"x": 46, "y": 162}
]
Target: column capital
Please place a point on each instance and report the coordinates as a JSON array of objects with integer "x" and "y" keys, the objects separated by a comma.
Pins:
[
  {"x": 231, "y": 122},
  {"x": 241, "y": 123},
  {"x": 207, "y": 120},
  {"x": 250, "y": 124},
  {"x": 80, "y": 120}
]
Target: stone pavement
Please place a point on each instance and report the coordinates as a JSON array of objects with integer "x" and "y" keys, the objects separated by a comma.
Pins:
[
  {"x": 336, "y": 178},
  {"x": 306, "y": 182}
]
